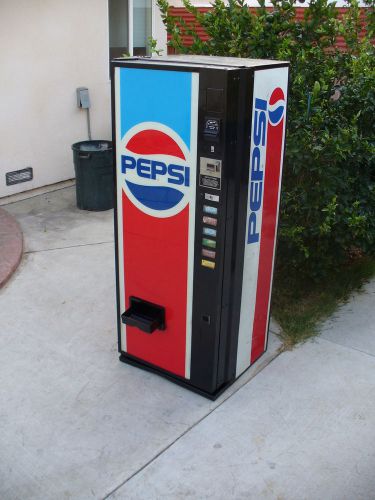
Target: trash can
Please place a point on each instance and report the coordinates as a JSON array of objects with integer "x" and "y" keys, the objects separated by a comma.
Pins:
[{"x": 94, "y": 174}]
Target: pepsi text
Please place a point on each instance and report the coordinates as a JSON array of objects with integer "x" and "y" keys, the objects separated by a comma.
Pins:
[
  {"x": 154, "y": 169},
  {"x": 257, "y": 168}
]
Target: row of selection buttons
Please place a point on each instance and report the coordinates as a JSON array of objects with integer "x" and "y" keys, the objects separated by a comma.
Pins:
[{"x": 210, "y": 244}]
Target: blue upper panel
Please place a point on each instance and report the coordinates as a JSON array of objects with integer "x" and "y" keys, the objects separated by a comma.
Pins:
[{"x": 156, "y": 96}]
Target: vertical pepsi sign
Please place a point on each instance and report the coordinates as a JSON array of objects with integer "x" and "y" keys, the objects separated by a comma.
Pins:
[
  {"x": 265, "y": 169},
  {"x": 156, "y": 151}
]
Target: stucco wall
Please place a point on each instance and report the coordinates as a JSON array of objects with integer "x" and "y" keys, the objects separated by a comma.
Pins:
[
  {"x": 158, "y": 29},
  {"x": 48, "y": 48}
]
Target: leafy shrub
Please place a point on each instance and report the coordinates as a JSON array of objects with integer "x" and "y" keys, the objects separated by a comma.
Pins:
[{"x": 328, "y": 197}]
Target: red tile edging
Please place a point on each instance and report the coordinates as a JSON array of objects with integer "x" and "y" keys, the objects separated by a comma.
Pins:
[
  {"x": 190, "y": 20},
  {"x": 11, "y": 246}
]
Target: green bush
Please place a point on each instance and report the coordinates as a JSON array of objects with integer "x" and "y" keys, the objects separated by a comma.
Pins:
[{"x": 328, "y": 196}]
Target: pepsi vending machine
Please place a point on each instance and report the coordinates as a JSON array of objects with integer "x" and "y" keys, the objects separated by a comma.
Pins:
[{"x": 199, "y": 144}]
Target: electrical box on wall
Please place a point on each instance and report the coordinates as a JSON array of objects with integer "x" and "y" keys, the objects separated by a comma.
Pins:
[
  {"x": 83, "y": 98},
  {"x": 199, "y": 147}
]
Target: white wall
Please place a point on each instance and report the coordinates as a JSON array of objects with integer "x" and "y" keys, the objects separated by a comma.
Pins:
[
  {"x": 158, "y": 29},
  {"x": 47, "y": 49}
]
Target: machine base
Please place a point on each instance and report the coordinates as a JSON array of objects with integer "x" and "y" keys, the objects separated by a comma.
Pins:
[{"x": 130, "y": 360}]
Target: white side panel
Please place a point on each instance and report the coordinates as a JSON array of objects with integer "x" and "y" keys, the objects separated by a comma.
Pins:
[{"x": 265, "y": 82}]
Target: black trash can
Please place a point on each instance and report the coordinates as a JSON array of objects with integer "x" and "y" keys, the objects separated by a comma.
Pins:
[{"x": 93, "y": 165}]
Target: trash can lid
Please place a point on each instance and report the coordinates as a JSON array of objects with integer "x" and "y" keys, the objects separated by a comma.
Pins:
[{"x": 92, "y": 146}]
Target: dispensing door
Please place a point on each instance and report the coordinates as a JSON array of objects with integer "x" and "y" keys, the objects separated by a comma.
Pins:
[{"x": 156, "y": 151}]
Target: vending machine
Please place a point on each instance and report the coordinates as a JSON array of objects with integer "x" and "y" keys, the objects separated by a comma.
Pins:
[{"x": 199, "y": 146}]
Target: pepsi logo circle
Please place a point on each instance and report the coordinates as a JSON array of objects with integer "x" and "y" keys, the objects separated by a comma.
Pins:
[
  {"x": 155, "y": 163},
  {"x": 276, "y": 106}
]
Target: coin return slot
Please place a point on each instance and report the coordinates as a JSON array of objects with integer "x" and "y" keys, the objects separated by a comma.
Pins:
[
  {"x": 211, "y": 167},
  {"x": 206, "y": 318}
]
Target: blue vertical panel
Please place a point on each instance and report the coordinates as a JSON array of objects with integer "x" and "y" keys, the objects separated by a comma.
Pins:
[{"x": 149, "y": 95}]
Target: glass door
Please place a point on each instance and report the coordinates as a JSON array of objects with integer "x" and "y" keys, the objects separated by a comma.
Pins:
[
  {"x": 130, "y": 27},
  {"x": 118, "y": 15},
  {"x": 142, "y": 27}
]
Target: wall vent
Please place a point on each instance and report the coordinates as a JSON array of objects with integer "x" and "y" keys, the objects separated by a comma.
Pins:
[{"x": 17, "y": 176}]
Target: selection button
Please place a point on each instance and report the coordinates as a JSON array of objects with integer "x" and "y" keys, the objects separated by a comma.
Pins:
[
  {"x": 209, "y": 231},
  {"x": 209, "y": 243},
  {"x": 208, "y": 263},
  {"x": 209, "y": 220},
  {"x": 211, "y": 254},
  {"x": 207, "y": 209},
  {"x": 211, "y": 197}
]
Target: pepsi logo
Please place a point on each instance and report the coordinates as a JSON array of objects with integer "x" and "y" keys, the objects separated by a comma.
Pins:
[
  {"x": 276, "y": 106},
  {"x": 155, "y": 163}
]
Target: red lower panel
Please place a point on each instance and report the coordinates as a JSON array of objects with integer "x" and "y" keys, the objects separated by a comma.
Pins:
[
  {"x": 155, "y": 268},
  {"x": 267, "y": 241}
]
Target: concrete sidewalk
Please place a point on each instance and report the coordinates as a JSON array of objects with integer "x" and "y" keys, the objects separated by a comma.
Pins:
[{"x": 76, "y": 423}]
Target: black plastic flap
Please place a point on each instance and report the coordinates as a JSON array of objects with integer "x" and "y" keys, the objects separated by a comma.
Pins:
[{"x": 144, "y": 315}]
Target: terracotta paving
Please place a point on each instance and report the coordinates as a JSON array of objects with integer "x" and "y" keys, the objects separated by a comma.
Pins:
[{"x": 11, "y": 246}]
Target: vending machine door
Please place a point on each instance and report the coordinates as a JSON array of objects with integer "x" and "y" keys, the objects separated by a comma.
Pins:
[{"x": 156, "y": 168}]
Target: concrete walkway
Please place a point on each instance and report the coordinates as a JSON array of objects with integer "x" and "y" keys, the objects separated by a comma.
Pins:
[{"x": 75, "y": 423}]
